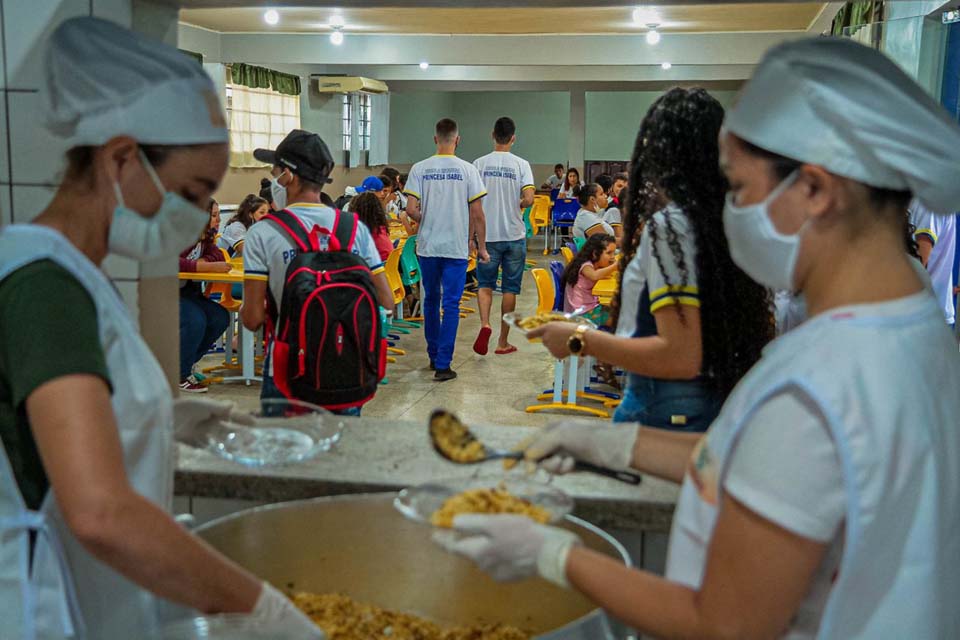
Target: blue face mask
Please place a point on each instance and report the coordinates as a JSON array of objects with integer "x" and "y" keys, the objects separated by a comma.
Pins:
[{"x": 172, "y": 229}]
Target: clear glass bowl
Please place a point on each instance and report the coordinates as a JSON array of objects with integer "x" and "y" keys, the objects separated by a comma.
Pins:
[
  {"x": 420, "y": 502},
  {"x": 282, "y": 432},
  {"x": 231, "y": 627},
  {"x": 514, "y": 319}
]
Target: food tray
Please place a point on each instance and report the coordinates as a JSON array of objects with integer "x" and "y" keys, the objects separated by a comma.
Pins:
[{"x": 420, "y": 502}]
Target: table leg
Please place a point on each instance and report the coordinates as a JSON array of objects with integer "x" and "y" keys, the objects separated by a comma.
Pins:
[
  {"x": 572, "y": 381},
  {"x": 246, "y": 354},
  {"x": 558, "y": 370}
]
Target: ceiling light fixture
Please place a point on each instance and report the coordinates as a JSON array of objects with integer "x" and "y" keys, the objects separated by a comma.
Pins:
[
  {"x": 271, "y": 17},
  {"x": 653, "y": 36},
  {"x": 666, "y": 66},
  {"x": 424, "y": 65},
  {"x": 336, "y": 21},
  {"x": 337, "y": 37}
]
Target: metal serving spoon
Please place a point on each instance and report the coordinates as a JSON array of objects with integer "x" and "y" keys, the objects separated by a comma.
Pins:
[{"x": 489, "y": 453}]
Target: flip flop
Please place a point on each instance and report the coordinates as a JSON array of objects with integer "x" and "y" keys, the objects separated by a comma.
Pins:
[
  {"x": 503, "y": 352},
  {"x": 482, "y": 344}
]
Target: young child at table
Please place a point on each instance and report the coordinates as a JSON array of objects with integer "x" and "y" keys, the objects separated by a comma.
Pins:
[
  {"x": 202, "y": 321},
  {"x": 369, "y": 209},
  {"x": 594, "y": 262}
]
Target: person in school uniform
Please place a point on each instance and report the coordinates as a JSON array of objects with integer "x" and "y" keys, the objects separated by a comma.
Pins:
[
  {"x": 444, "y": 198},
  {"x": 589, "y": 220},
  {"x": 509, "y": 182},
  {"x": 824, "y": 500},
  {"x": 936, "y": 237}
]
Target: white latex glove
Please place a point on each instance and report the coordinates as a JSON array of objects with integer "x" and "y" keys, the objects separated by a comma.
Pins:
[
  {"x": 275, "y": 608},
  {"x": 193, "y": 416},
  {"x": 511, "y": 547},
  {"x": 560, "y": 445}
]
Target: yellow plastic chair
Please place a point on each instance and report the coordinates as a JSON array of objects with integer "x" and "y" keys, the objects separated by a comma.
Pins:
[
  {"x": 567, "y": 254},
  {"x": 545, "y": 298},
  {"x": 392, "y": 271}
]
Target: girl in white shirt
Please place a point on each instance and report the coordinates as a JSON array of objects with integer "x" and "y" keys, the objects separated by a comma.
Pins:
[
  {"x": 571, "y": 184},
  {"x": 251, "y": 210}
]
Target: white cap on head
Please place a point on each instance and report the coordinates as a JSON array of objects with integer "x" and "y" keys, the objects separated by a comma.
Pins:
[
  {"x": 851, "y": 110},
  {"x": 102, "y": 80}
]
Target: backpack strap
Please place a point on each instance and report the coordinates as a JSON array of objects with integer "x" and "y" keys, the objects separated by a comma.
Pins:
[
  {"x": 294, "y": 227},
  {"x": 345, "y": 229}
]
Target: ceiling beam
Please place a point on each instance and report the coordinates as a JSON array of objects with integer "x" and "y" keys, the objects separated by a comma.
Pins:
[{"x": 554, "y": 51}]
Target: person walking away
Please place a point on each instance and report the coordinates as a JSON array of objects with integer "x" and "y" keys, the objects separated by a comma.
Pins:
[
  {"x": 301, "y": 165},
  {"x": 445, "y": 195},
  {"x": 510, "y": 189}
]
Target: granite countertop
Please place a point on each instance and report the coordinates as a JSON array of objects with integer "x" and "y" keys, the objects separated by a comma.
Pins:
[{"x": 375, "y": 455}]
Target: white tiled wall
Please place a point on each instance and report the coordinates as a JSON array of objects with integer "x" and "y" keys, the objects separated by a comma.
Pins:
[{"x": 31, "y": 161}]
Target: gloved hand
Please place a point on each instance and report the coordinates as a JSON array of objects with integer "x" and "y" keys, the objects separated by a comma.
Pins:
[
  {"x": 511, "y": 547},
  {"x": 561, "y": 444},
  {"x": 274, "y": 607},
  {"x": 192, "y": 417}
]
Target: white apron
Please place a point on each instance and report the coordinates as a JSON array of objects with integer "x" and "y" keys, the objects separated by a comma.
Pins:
[
  {"x": 70, "y": 594},
  {"x": 888, "y": 386}
]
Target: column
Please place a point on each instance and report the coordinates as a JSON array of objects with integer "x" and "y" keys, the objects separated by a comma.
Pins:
[{"x": 578, "y": 130}]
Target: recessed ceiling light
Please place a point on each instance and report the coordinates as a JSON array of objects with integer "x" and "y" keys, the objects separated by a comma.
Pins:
[
  {"x": 424, "y": 65},
  {"x": 666, "y": 66},
  {"x": 336, "y": 21},
  {"x": 337, "y": 37},
  {"x": 270, "y": 16},
  {"x": 653, "y": 36}
]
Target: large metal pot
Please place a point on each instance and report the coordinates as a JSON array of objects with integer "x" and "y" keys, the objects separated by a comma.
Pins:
[{"x": 360, "y": 546}]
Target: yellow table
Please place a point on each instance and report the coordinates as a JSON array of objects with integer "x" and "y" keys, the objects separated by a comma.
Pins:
[
  {"x": 605, "y": 290},
  {"x": 234, "y": 276}
]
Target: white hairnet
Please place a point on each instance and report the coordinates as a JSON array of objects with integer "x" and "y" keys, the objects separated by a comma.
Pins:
[
  {"x": 854, "y": 112},
  {"x": 102, "y": 80}
]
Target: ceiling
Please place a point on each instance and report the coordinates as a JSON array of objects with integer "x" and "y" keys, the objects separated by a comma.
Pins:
[{"x": 672, "y": 17}]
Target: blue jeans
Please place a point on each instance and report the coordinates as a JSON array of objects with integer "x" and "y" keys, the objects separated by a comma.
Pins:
[
  {"x": 202, "y": 321},
  {"x": 269, "y": 391},
  {"x": 679, "y": 405},
  {"x": 509, "y": 254},
  {"x": 442, "y": 281}
]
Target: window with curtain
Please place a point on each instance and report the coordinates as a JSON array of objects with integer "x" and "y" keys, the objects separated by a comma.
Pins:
[
  {"x": 365, "y": 122},
  {"x": 259, "y": 118}
]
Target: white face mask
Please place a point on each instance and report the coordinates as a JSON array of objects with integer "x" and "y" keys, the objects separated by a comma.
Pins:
[
  {"x": 279, "y": 193},
  {"x": 764, "y": 254},
  {"x": 175, "y": 226}
]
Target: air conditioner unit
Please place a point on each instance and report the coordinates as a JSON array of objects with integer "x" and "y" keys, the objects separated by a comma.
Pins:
[{"x": 349, "y": 84}]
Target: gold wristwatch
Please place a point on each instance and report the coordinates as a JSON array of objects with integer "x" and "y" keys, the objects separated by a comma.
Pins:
[{"x": 577, "y": 342}]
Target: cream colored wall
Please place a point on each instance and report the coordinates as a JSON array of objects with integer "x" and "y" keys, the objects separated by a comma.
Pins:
[{"x": 239, "y": 182}]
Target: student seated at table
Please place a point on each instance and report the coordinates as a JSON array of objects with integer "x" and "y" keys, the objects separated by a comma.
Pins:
[
  {"x": 369, "y": 209},
  {"x": 611, "y": 212},
  {"x": 251, "y": 210},
  {"x": 202, "y": 321},
  {"x": 594, "y": 262},
  {"x": 571, "y": 184},
  {"x": 588, "y": 222}
]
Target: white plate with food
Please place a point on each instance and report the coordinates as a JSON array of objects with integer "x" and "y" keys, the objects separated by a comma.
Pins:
[
  {"x": 525, "y": 323},
  {"x": 437, "y": 503}
]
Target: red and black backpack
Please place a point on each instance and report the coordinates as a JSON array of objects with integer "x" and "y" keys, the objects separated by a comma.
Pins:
[{"x": 328, "y": 347}]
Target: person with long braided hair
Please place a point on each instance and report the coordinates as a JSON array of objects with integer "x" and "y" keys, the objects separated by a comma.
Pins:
[{"x": 691, "y": 323}]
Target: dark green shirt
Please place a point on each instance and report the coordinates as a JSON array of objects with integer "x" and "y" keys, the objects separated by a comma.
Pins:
[{"x": 48, "y": 329}]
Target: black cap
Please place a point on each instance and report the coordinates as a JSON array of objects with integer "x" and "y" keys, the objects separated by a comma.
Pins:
[{"x": 304, "y": 153}]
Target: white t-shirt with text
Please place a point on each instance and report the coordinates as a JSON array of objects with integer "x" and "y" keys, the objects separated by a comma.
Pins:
[
  {"x": 445, "y": 185},
  {"x": 505, "y": 177}
]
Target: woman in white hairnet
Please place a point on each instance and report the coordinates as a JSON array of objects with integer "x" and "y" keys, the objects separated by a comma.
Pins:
[
  {"x": 87, "y": 545},
  {"x": 824, "y": 501}
]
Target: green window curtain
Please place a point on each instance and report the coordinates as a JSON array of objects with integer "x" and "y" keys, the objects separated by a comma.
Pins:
[
  {"x": 255, "y": 77},
  {"x": 193, "y": 54},
  {"x": 857, "y": 14}
]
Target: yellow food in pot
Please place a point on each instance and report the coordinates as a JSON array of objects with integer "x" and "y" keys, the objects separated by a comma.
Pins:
[
  {"x": 343, "y": 618},
  {"x": 487, "y": 501}
]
